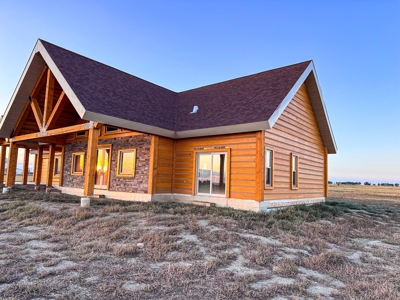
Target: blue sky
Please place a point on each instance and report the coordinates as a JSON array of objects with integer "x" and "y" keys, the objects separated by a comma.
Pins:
[{"x": 180, "y": 45}]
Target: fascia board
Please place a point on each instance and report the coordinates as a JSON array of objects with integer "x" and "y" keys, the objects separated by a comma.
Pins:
[
  {"x": 317, "y": 99},
  {"x": 61, "y": 80},
  {"x": 117, "y": 122},
  {"x": 21, "y": 93},
  {"x": 285, "y": 102},
  {"x": 256, "y": 126}
]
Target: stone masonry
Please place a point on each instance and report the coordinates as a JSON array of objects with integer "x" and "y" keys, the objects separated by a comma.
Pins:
[{"x": 136, "y": 184}]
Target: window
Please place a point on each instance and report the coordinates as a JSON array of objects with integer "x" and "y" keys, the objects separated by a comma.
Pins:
[
  {"x": 80, "y": 134},
  {"x": 57, "y": 166},
  {"x": 78, "y": 159},
  {"x": 126, "y": 162},
  {"x": 111, "y": 129},
  {"x": 294, "y": 171},
  {"x": 269, "y": 160}
]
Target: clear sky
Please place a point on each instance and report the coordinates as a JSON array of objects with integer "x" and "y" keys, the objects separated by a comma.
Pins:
[{"x": 180, "y": 45}]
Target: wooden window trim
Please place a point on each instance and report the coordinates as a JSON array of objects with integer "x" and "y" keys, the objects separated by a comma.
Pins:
[
  {"x": 294, "y": 187},
  {"x": 73, "y": 173},
  {"x": 228, "y": 169},
  {"x": 269, "y": 187},
  {"x": 118, "y": 174}
]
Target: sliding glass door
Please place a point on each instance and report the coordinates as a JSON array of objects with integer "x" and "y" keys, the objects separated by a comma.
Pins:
[{"x": 211, "y": 173}]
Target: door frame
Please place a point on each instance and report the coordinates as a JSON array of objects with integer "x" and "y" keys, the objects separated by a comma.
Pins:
[
  {"x": 105, "y": 146},
  {"x": 228, "y": 170}
]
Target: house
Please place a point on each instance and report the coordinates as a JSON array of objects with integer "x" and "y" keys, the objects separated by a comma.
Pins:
[{"x": 255, "y": 142}]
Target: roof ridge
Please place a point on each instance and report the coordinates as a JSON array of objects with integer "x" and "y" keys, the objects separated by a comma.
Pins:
[
  {"x": 249, "y": 75},
  {"x": 106, "y": 65}
]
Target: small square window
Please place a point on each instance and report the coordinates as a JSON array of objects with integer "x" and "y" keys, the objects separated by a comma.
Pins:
[
  {"x": 110, "y": 129},
  {"x": 78, "y": 160},
  {"x": 81, "y": 134},
  {"x": 126, "y": 162}
]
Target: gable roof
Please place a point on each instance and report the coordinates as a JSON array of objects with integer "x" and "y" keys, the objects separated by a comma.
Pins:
[{"x": 104, "y": 94}]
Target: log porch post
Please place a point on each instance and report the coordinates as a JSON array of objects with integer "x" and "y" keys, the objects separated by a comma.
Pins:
[
  {"x": 50, "y": 166},
  {"x": 25, "y": 167},
  {"x": 3, "y": 150},
  {"x": 38, "y": 167},
  {"x": 12, "y": 165},
  {"x": 91, "y": 158}
]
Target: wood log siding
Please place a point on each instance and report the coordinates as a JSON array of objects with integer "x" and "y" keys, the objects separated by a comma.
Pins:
[
  {"x": 243, "y": 163},
  {"x": 165, "y": 163},
  {"x": 296, "y": 131}
]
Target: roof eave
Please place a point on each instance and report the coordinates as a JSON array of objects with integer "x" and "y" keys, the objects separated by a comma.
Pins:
[
  {"x": 38, "y": 59},
  {"x": 310, "y": 79}
]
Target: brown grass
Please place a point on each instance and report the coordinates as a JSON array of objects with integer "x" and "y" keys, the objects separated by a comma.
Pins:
[{"x": 51, "y": 248}]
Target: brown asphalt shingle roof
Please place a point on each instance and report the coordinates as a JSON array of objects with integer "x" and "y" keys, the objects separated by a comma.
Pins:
[{"x": 106, "y": 90}]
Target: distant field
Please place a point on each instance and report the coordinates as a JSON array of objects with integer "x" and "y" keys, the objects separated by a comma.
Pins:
[{"x": 364, "y": 193}]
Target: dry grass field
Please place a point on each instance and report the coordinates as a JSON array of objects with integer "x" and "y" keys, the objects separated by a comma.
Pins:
[{"x": 50, "y": 248}]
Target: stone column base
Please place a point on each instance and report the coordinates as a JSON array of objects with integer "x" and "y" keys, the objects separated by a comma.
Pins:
[
  {"x": 37, "y": 187},
  {"x": 85, "y": 202},
  {"x": 6, "y": 190}
]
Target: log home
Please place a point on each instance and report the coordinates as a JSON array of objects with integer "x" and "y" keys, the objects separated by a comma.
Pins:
[{"x": 255, "y": 142}]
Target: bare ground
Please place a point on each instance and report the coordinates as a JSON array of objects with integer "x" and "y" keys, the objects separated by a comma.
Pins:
[{"x": 50, "y": 248}]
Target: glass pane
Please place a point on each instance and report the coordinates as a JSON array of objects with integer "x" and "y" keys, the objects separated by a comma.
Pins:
[
  {"x": 105, "y": 166},
  {"x": 78, "y": 164},
  {"x": 126, "y": 163},
  {"x": 56, "y": 166},
  {"x": 218, "y": 173},
  {"x": 204, "y": 173},
  {"x": 268, "y": 159},
  {"x": 99, "y": 167},
  {"x": 268, "y": 177}
]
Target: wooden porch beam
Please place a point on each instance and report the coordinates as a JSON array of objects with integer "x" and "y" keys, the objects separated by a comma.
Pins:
[
  {"x": 3, "y": 149},
  {"x": 25, "y": 167},
  {"x": 50, "y": 166},
  {"x": 40, "y": 82},
  {"x": 53, "y": 132},
  {"x": 58, "y": 108},
  {"x": 37, "y": 112},
  {"x": 91, "y": 158},
  {"x": 62, "y": 165},
  {"x": 48, "y": 102},
  {"x": 38, "y": 167},
  {"x": 12, "y": 165}
]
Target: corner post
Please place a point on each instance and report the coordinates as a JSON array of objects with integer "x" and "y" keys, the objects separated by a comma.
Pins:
[
  {"x": 12, "y": 164},
  {"x": 260, "y": 154},
  {"x": 3, "y": 149},
  {"x": 91, "y": 158}
]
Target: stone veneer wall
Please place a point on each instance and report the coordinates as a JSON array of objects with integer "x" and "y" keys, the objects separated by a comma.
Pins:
[{"x": 136, "y": 184}]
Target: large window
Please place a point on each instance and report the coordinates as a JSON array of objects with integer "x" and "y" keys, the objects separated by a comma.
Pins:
[
  {"x": 78, "y": 159},
  {"x": 294, "y": 171},
  {"x": 269, "y": 163},
  {"x": 126, "y": 162},
  {"x": 57, "y": 166},
  {"x": 212, "y": 173}
]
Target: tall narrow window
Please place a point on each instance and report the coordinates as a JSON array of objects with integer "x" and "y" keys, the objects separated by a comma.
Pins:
[
  {"x": 295, "y": 171},
  {"x": 126, "y": 162},
  {"x": 78, "y": 159},
  {"x": 57, "y": 166},
  {"x": 268, "y": 167}
]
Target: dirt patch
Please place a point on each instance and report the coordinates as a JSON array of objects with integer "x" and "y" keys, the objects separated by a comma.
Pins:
[{"x": 50, "y": 248}]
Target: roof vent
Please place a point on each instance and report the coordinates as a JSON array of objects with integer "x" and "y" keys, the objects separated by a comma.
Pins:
[{"x": 195, "y": 109}]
